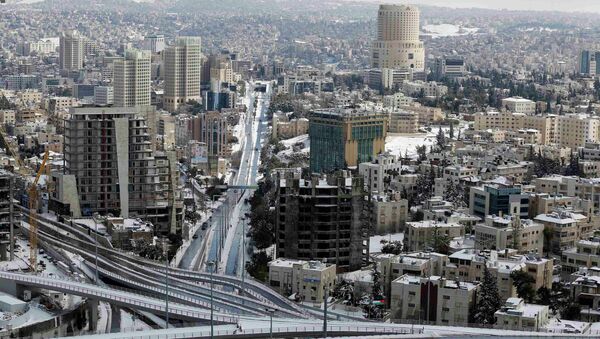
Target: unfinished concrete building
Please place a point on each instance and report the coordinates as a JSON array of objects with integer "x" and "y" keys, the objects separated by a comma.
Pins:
[
  {"x": 322, "y": 218},
  {"x": 7, "y": 215},
  {"x": 109, "y": 153}
]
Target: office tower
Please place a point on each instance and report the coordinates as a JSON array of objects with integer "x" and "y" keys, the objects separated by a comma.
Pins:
[
  {"x": 131, "y": 79},
  {"x": 322, "y": 218},
  {"x": 7, "y": 214},
  {"x": 71, "y": 51},
  {"x": 345, "y": 137},
  {"x": 212, "y": 129},
  {"x": 449, "y": 67},
  {"x": 397, "y": 45},
  {"x": 182, "y": 72},
  {"x": 154, "y": 43},
  {"x": 109, "y": 152}
]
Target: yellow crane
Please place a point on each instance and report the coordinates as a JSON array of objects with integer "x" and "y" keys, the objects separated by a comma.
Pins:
[{"x": 33, "y": 205}]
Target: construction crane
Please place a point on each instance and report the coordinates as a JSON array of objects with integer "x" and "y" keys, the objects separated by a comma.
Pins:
[{"x": 33, "y": 205}]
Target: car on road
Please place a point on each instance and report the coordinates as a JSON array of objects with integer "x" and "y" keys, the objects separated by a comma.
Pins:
[
  {"x": 195, "y": 236},
  {"x": 204, "y": 226}
]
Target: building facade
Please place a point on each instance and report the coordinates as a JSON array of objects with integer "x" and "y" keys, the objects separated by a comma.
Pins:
[
  {"x": 182, "y": 72},
  {"x": 131, "y": 79},
  {"x": 345, "y": 137},
  {"x": 322, "y": 218}
]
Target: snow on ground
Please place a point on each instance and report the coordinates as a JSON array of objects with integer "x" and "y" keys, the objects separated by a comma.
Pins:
[
  {"x": 130, "y": 323},
  {"x": 375, "y": 244},
  {"x": 401, "y": 144},
  {"x": 288, "y": 143},
  {"x": 398, "y": 144},
  {"x": 446, "y": 30}
]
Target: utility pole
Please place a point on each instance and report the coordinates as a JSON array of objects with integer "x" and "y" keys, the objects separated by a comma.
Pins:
[
  {"x": 210, "y": 267},
  {"x": 96, "y": 243}
]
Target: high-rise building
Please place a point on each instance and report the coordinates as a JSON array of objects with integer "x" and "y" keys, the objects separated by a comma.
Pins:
[
  {"x": 397, "y": 45},
  {"x": 109, "y": 153},
  {"x": 154, "y": 43},
  {"x": 322, "y": 218},
  {"x": 589, "y": 62},
  {"x": 343, "y": 137},
  {"x": 7, "y": 214},
  {"x": 71, "y": 51},
  {"x": 182, "y": 72},
  {"x": 212, "y": 129},
  {"x": 131, "y": 79},
  {"x": 103, "y": 95}
]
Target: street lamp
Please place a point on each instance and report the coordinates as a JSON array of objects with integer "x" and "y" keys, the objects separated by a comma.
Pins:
[
  {"x": 271, "y": 311},
  {"x": 210, "y": 265},
  {"x": 94, "y": 216},
  {"x": 166, "y": 252}
]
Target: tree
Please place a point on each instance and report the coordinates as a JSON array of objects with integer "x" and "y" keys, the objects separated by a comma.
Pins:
[
  {"x": 573, "y": 166},
  {"x": 344, "y": 291},
  {"x": 425, "y": 183},
  {"x": 548, "y": 239},
  {"x": 571, "y": 311},
  {"x": 440, "y": 242},
  {"x": 489, "y": 299},
  {"x": 524, "y": 284},
  {"x": 392, "y": 247},
  {"x": 422, "y": 153},
  {"x": 451, "y": 132},
  {"x": 258, "y": 267},
  {"x": 441, "y": 139}
]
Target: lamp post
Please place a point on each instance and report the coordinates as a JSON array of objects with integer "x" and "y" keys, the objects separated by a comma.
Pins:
[
  {"x": 166, "y": 252},
  {"x": 271, "y": 311},
  {"x": 210, "y": 267},
  {"x": 96, "y": 243},
  {"x": 326, "y": 296}
]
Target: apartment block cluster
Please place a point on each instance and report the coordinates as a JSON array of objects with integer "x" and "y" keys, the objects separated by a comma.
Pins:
[{"x": 108, "y": 120}]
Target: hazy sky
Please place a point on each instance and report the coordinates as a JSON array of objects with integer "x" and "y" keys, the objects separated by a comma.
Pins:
[{"x": 551, "y": 5}]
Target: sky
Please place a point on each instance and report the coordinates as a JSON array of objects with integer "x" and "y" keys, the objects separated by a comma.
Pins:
[{"x": 547, "y": 5}]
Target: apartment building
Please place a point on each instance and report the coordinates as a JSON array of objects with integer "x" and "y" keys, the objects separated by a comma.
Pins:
[
  {"x": 321, "y": 218},
  {"x": 380, "y": 171},
  {"x": 467, "y": 265},
  {"x": 212, "y": 129},
  {"x": 575, "y": 130},
  {"x": 419, "y": 235},
  {"x": 500, "y": 233},
  {"x": 586, "y": 253},
  {"x": 396, "y": 100},
  {"x": 510, "y": 121},
  {"x": 567, "y": 228},
  {"x": 433, "y": 300},
  {"x": 404, "y": 122},
  {"x": 518, "y": 105},
  {"x": 307, "y": 279},
  {"x": 108, "y": 152},
  {"x": 515, "y": 314},
  {"x": 389, "y": 215}
]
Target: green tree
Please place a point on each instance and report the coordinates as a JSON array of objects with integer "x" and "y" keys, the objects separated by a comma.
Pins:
[
  {"x": 440, "y": 242},
  {"x": 524, "y": 284},
  {"x": 489, "y": 299},
  {"x": 258, "y": 266}
]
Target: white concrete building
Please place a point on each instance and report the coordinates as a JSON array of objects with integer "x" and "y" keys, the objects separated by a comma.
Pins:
[
  {"x": 517, "y": 315},
  {"x": 518, "y": 105},
  {"x": 307, "y": 279},
  {"x": 383, "y": 168}
]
